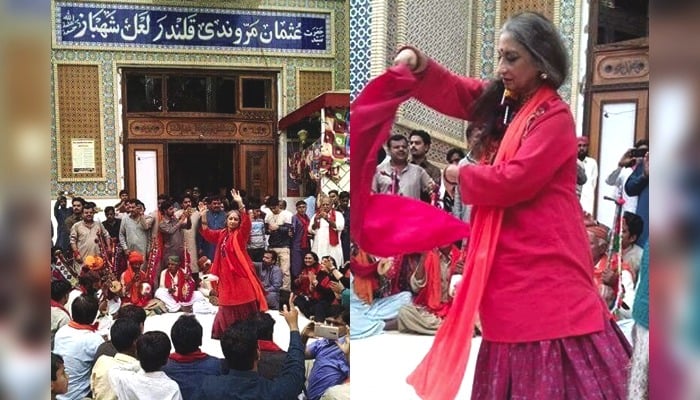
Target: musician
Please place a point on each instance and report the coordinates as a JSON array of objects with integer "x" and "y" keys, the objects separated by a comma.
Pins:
[
  {"x": 177, "y": 288},
  {"x": 132, "y": 279},
  {"x": 84, "y": 236},
  {"x": 208, "y": 283},
  {"x": 190, "y": 235}
]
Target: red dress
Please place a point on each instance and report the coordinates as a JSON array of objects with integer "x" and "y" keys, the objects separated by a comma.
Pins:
[
  {"x": 240, "y": 291},
  {"x": 546, "y": 330}
]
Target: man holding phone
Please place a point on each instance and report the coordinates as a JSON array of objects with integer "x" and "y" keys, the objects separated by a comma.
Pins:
[
  {"x": 331, "y": 356},
  {"x": 638, "y": 185},
  {"x": 629, "y": 160}
]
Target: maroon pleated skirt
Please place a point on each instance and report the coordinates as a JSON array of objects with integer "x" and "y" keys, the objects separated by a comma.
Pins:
[
  {"x": 591, "y": 367},
  {"x": 228, "y": 315}
]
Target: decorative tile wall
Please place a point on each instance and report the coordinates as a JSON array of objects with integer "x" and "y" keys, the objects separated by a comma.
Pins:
[
  {"x": 360, "y": 45},
  {"x": 111, "y": 58},
  {"x": 440, "y": 30},
  {"x": 460, "y": 35}
]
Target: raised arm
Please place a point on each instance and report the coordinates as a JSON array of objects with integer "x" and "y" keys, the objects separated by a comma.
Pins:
[
  {"x": 637, "y": 181},
  {"x": 456, "y": 93},
  {"x": 210, "y": 235}
]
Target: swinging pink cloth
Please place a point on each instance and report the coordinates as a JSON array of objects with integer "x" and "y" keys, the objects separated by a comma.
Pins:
[{"x": 375, "y": 230}]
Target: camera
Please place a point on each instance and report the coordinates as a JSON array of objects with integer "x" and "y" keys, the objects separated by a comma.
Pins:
[
  {"x": 639, "y": 153},
  {"x": 326, "y": 331}
]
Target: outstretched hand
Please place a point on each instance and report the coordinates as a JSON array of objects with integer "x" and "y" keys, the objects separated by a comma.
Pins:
[
  {"x": 291, "y": 314},
  {"x": 237, "y": 197}
]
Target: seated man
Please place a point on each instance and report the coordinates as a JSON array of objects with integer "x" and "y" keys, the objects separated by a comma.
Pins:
[
  {"x": 208, "y": 286},
  {"x": 135, "y": 287},
  {"x": 331, "y": 357},
  {"x": 153, "y": 349},
  {"x": 632, "y": 227},
  {"x": 59, "y": 297},
  {"x": 177, "y": 288},
  {"x": 130, "y": 311},
  {"x": 188, "y": 365},
  {"x": 124, "y": 334},
  {"x": 606, "y": 275},
  {"x": 372, "y": 315},
  {"x": 271, "y": 356},
  {"x": 431, "y": 283},
  {"x": 77, "y": 343},
  {"x": 59, "y": 379},
  {"x": 270, "y": 276},
  {"x": 240, "y": 346}
]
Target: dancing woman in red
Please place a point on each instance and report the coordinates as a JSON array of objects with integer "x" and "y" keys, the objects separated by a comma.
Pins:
[
  {"x": 546, "y": 332},
  {"x": 240, "y": 290}
]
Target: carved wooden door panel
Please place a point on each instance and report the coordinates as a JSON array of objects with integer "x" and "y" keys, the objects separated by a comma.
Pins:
[{"x": 257, "y": 168}]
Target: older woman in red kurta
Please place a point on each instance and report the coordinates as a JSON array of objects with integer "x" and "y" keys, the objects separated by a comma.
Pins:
[
  {"x": 546, "y": 332},
  {"x": 240, "y": 291}
]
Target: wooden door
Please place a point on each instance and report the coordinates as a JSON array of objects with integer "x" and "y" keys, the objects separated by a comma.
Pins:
[
  {"x": 618, "y": 120},
  {"x": 257, "y": 169}
]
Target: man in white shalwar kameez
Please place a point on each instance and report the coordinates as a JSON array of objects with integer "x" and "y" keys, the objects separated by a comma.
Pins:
[{"x": 327, "y": 226}]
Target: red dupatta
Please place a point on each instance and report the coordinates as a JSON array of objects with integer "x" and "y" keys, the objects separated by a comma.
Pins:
[
  {"x": 183, "y": 289},
  {"x": 423, "y": 227},
  {"x": 431, "y": 295},
  {"x": 246, "y": 266},
  {"x": 332, "y": 233},
  {"x": 453, "y": 340},
  {"x": 156, "y": 256},
  {"x": 304, "y": 220}
]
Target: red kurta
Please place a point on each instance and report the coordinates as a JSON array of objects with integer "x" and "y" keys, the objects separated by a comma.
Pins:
[
  {"x": 238, "y": 282},
  {"x": 540, "y": 286}
]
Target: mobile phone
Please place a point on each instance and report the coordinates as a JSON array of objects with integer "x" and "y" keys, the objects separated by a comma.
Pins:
[{"x": 326, "y": 331}]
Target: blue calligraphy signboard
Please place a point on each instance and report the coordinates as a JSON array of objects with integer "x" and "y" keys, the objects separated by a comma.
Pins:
[{"x": 87, "y": 24}]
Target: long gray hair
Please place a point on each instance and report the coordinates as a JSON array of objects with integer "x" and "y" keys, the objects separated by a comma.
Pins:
[{"x": 542, "y": 39}]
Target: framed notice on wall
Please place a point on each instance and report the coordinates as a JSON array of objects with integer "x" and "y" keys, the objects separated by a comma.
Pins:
[
  {"x": 83, "y": 156},
  {"x": 80, "y": 141}
]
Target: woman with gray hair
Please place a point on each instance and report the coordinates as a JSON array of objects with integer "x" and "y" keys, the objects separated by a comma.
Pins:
[{"x": 546, "y": 332}]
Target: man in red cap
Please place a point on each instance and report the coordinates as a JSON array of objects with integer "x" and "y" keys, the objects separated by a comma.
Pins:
[
  {"x": 135, "y": 288},
  {"x": 591, "y": 167}
]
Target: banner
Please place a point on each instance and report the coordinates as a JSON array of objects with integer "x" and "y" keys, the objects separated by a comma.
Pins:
[{"x": 143, "y": 26}]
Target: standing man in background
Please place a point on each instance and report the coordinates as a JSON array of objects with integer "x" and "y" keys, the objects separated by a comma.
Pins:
[{"x": 591, "y": 167}]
